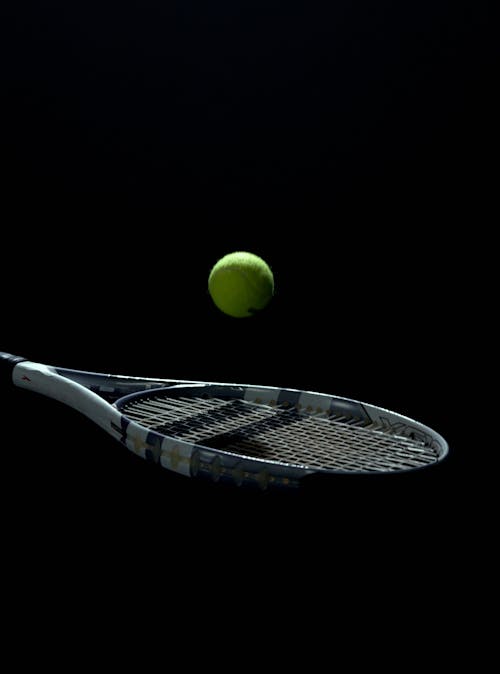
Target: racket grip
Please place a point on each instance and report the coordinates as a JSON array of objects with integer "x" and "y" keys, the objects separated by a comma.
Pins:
[{"x": 7, "y": 364}]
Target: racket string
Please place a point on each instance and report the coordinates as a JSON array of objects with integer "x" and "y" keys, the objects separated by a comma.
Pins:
[{"x": 279, "y": 433}]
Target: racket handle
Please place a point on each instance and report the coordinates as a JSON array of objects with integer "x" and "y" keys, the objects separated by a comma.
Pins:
[{"x": 8, "y": 363}]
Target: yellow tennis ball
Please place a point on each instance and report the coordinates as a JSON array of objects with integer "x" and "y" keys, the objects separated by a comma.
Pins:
[{"x": 241, "y": 284}]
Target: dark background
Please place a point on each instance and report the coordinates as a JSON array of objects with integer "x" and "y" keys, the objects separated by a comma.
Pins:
[{"x": 345, "y": 145}]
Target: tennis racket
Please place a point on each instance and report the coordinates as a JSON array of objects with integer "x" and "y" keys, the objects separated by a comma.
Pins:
[{"x": 245, "y": 435}]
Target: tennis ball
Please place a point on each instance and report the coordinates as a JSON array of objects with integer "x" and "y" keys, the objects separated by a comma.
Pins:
[{"x": 241, "y": 284}]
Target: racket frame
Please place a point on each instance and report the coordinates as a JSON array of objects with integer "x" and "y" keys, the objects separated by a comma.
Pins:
[{"x": 99, "y": 396}]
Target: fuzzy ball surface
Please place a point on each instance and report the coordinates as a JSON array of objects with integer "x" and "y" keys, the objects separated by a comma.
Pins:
[{"x": 241, "y": 284}]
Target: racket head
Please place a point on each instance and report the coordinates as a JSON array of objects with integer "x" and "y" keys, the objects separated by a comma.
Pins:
[{"x": 265, "y": 436}]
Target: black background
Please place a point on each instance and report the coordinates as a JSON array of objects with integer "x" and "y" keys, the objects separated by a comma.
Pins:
[{"x": 344, "y": 144}]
